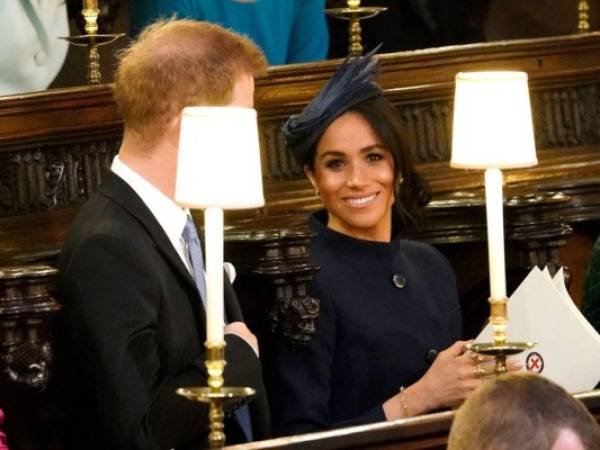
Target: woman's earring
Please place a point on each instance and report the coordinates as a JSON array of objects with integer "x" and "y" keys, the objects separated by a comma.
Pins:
[
  {"x": 399, "y": 182},
  {"x": 398, "y": 187}
]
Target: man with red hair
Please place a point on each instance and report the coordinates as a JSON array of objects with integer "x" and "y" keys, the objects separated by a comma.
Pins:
[{"x": 131, "y": 293}]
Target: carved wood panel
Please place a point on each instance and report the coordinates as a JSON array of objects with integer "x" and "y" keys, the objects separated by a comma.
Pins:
[
  {"x": 563, "y": 117},
  {"x": 278, "y": 163},
  {"x": 567, "y": 117},
  {"x": 42, "y": 177}
]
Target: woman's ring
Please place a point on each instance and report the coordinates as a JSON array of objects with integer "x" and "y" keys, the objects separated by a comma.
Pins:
[
  {"x": 478, "y": 371},
  {"x": 475, "y": 356}
]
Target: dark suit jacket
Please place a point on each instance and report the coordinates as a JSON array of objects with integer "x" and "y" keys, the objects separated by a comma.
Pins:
[{"x": 136, "y": 332}]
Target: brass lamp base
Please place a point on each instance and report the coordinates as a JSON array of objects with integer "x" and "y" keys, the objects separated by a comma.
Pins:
[
  {"x": 218, "y": 399},
  {"x": 500, "y": 352},
  {"x": 355, "y": 15},
  {"x": 92, "y": 42},
  {"x": 98, "y": 39},
  {"x": 215, "y": 394},
  {"x": 363, "y": 12}
]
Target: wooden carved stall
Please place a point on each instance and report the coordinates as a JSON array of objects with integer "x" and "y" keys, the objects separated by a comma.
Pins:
[{"x": 57, "y": 146}]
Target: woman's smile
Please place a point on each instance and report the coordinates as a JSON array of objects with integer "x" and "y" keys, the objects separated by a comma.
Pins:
[{"x": 361, "y": 202}]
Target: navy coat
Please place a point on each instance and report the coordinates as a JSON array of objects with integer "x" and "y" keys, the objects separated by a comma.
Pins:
[{"x": 384, "y": 308}]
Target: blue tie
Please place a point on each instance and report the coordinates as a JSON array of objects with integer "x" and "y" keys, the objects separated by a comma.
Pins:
[{"x": 194, "y": 255}]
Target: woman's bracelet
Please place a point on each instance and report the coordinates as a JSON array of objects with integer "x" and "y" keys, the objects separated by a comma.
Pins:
[{"x": 403, "y": 402}]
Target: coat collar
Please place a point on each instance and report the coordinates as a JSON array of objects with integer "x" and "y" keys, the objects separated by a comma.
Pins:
[{"x": 120, "y": 192}]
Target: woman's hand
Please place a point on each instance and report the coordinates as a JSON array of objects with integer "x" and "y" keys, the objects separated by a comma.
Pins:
[{"x": 452, "y": 376}]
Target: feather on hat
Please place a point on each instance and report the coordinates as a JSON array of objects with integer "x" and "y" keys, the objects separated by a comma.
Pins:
[{"x": 351, "y": 83}]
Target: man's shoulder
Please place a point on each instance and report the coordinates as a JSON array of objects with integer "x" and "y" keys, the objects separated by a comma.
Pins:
[
  {"x": 115, "y": 205},
  {"x": 99, "y": 216}
]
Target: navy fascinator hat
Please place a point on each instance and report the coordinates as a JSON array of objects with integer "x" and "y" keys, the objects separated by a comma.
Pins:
[{"x": 351, "y": 83}]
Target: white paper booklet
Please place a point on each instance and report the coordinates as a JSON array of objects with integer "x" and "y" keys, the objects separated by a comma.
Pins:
[{"x": 568, "y": 350}]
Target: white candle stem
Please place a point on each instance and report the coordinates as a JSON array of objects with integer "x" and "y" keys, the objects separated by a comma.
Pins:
[
  {"x": 495, "y": 230},
  {"x": 213, "y": 229}
]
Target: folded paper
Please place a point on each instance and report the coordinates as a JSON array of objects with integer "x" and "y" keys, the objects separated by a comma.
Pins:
[{"x": 568, "y": 347}]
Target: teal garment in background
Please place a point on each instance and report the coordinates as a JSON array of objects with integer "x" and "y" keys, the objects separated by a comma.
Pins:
[
  {"x": 288, "y": 31},
  {"x": 591, "y": 289}
]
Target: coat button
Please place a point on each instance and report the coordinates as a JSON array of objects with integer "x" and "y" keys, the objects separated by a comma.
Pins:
[
  {"x": 431, "y": 355},
  {"x": 399, "y": 280}
]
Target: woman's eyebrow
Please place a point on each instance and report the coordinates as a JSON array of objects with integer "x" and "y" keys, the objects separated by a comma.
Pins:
[
  {"x": 336, "y": 153},
  {"x": 371, "y": 147}
]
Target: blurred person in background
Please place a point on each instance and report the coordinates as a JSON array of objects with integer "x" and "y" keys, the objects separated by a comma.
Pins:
[
  {"x": 31, "y": 53},
  {"x": 288, "y": 31}
]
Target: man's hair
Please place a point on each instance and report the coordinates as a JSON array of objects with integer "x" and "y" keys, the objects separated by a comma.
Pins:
[
  {"x": 520, "y": 411},
  {"x": 179, "y": 63}
]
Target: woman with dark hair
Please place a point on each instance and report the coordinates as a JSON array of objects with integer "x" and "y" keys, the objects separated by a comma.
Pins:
[{"x": 386, "y": 340}]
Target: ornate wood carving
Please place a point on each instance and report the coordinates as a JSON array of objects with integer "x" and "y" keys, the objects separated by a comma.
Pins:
[
  {"x": 564, "y": 117},
  {"x": 50, "y": 175},
  {"x": 26, "y": 304},
  {"x": 54, "y": 175},
  {"x": 278, "y": 259},
  {"x": 567, "y": 117},
  {"x": 279, "y": 164},
  {"x": 429, "y": 126},
  {"x": 534, "y": 231}
]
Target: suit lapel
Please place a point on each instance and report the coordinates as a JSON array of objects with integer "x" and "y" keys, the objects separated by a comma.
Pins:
[{"x": 120, "y": 192}]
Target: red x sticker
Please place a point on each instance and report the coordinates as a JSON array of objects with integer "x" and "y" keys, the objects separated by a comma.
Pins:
[{"x": 534, "y": 362}]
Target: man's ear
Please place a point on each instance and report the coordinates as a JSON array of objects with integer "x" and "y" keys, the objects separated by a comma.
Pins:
[{"x": 175, "y": 125}]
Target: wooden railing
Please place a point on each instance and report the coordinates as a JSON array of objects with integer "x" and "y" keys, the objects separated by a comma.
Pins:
[{"x": 427, "y": 432}]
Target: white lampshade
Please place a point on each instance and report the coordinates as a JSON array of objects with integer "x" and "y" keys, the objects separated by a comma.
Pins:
[
  {"x": 219, "y": 158},
  {"x": 493, "y": 127}
]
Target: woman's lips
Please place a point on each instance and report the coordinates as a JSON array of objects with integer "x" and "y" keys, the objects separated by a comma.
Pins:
[{"x": 360, "y": 201}]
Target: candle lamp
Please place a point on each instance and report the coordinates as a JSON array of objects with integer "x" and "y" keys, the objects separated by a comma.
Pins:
[
  {"x": 493, "y": 130},
  {"x": 354, "y": 13},
  {"x": 92, "y": 40},
  {"x": 218, "y": 167}
]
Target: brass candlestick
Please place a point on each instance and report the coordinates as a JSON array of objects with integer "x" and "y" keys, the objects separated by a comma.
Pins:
[
  {"x": 499, "y": 347},
  {"x": 92, "y": 40},
  {"x": 216, "y": 395},
  {"x": 583, "y": 14},
  {"x": 494, "y": 104},
  {"x": 354, "y": 13}
]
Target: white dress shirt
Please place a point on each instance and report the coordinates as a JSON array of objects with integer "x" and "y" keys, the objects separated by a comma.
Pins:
[{"x": 170, "y": 215}]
